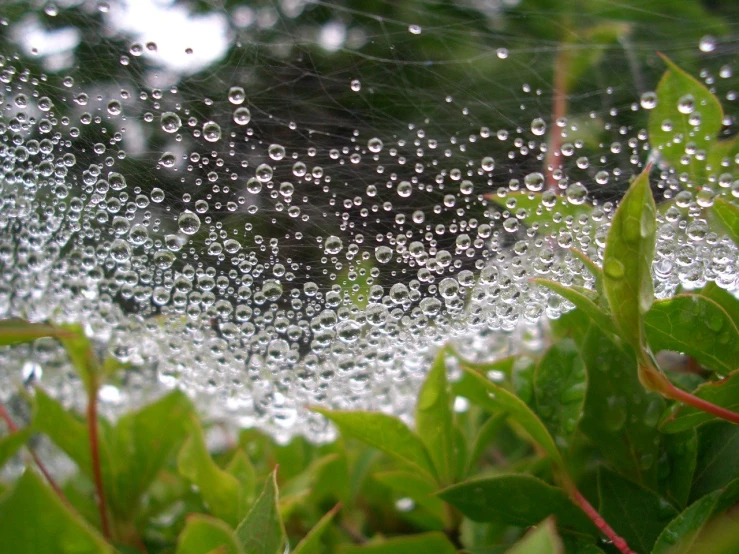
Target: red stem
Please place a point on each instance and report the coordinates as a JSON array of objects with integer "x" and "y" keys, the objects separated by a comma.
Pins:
[
  {"x": 618, "y": 541},
  {"x": 92, "y": 424},
  {"x": 42, "y": 468},
  {"x": 559, "y": 110},
  {"x": 708, "y": 407}
]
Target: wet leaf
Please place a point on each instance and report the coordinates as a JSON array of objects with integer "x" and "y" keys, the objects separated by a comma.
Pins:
[
  {"x": 311, "y": 543},
  {"x": 724, "y": 299},
  {"x": 435, "y": 422},
  {"x": 681, "y": 452},
  {"x": 594, "y": 269},
  {"x": 241, "y": 467},
  {"x": 516, "y": 499},
  {"x": 205, "y": 534},
  {"x": 541, "y": 540},
  {"x": 12, "y": 442},
  {"x": 728, "y": 215},
  {"x": 560, "y": 383},
  {"x": 581, "y": 301},
  {"x": 718, "y": 457},
  {"x": 262, "y": 531},
  {"x": 634, "y": 512},
  {"x": 724, "y": 393},
  {"x": 423, "y": 542},
  {"x": 221, "y": 491},
  {"x": 386, "y": 433},
  {"x": 485, "y": 436},
  {"x": 695, "y": 325},
  {"x": 34, "y": 520},
  {"x": 627, "y": 262},
  {"x": 417, "y": 488},
  {"x": 14, "y": 331},
  {"x": 81, "y": 354}
]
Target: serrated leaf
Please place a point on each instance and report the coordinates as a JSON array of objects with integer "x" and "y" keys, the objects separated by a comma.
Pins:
[
  {"x": 435, "y": 422},
  {"x": 262, "y": 531},
  {"x": 723, "y": 393},
  {"x": 724, "y": 299},
  {"x": 541, "y": 540},
  {"x": 686, "y": 527},
  {"x": 413, "y": 544},
  {"x": 415, "y": 487},
  {"x": 681, "y": 453},
  {"x": 728, "y": 215},
  {"x": 12, "y": 442},
  {"x": 15, "y": 331},
  {"x": 583, "y": 303},
  {"x": 221, "y": 491},
  {"x": 676, "y": 86},
  {"x": 718, "y": 457},
  {"x": 206, "y": 534},
  {"x": 634, "y": 512},
  {"x": 515, "y": 499},
  {"x": 627, "y": 262},
  {"x": 386, "y": 433},
  {"x": 496, "y": 399},
  {"x": 560, "y": 383},
  {"x": 33, "y": 520},
  {"x": 311, "y": 543},
  {"x": 620, "y": 416},
  {"x": 697, "y": 326}
]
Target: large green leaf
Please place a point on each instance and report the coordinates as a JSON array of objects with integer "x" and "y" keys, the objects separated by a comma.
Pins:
[
  {"x": 697, "y": 326},
  {"x": 14, "y": 331},
  {"x": 311, "y": 543},
  {"x": 718, "y": 457},
  {"x": 541, "y": 540},
  {"x": 627, "y": 263},
  {"x": 12, "y": 442},
  {"x": 221, "y": 491},
  {"x": 412, "y": 544},
  {"x": 386, "y": 433},
  {"x": 203, "y": 534},
  {"x": 635, "y": 513},
  {"x": 516, "y": 499},
  {"x": 681, "y": 454},
  {"x": 496, "y": 399},
  {"x": 583, "y": 303},
  {"x": 620, "y": 416},
  {"x": 728, "y": 215},
  {"x": 262, "y": 531},
  {"x": 686, "y": 527},
  {"x": 484, "y": 437},
  {"x": 241, "y": 467},
  {"x": 724, "y": 299},
  {"x": 415, "y": 487},
  {"x": 560, "y": 383},
  {"x": 681, "y": 97},
  {"x": 724, "y": 393},
  {"x": 34, "y": 520},
  {"x": 434, "y": 420}
]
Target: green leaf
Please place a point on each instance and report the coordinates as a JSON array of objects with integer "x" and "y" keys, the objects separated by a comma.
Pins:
[
  {"x": 724, "y": 299},
  {"x": 728, "y": 215},
  {"x": 261, "y": 531},
  {"x": 221, "y": 491},
  {"x": 635, "y": 513},
  {"x": 560, "y": 383},
  {"x": 415, "y": 487},
  {"x": 541, "y": 540},
  {"x": 541, "y": 208},
  {"x": 594, "y": 269},
  {"x": 627, "y": 263},
  {"x": 11, "y": 443},
  {"x": 206, "y": 534},
  {"x": 413, "y": 544},
  {"x": 681, "y": 453},
  {"x": 34, "y": 520},
  {"x": 677, "y": 85},
  {"x": 516, "y": 499},
  {"x": 311, "y": 543},
  {"x": 718, "y": 457},
  {"x": 82, "y": 356},
  {"x": 484, "y": 437},
  {"x": 583, "y": 303},
  {"x": 14, "y": 331},
  {"x": 241, "y": 467},
  {"x": 620, "y": 416},
  {"x": 686, "y": 527},
  {"x": 724, "y": 393},
  {"x": 697, "y": 326},
  {"x": 435, "y": 422},
  {"x": 386, "y": 433},
  {"x": 497, "y": 399}
]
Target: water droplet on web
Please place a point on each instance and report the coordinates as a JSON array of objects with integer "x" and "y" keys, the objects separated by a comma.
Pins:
[
  {"x": 236, "y": 95},
  {"x": 707, "y": 43},
  {"x": 356, "y": 85},
  {"x": 170, "y": 122},
  {"x": 383, "y": 254},
  {"x": 648, "y": 100},
  {"x": 242, "y": 116},
  {"x": 414, "y": 29},
  {"x": 333, "y": 245},
  {"x": 374, "y": 145},
  {"x": 538, "y": 127},
  {"x": 576, "y": 194},
  {"x": 212, "y": 131},
  {"x": 189, "y": 223},
  {"x": 686, "y": 104},
  {"x": 534, "y": 181}
]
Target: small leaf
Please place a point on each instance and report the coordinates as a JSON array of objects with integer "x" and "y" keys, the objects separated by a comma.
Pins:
[
  {"x": 206, "y": 534},
  {"x": 11, "y": 443},
  {"x": 635, "y": 513},
  {"x": 541, "y": 540},
  {"x": 594, "y": 269},
  {"x": 583, "y": 303},
  {"x": 14, "y": 331},
  {"x": 434, "y": 420},
  {"x": 434, "y": 542},
  {"x": 697, "y": 326},
  {"x": 724, "y": 393},
  {"x": 386, "y": 433},
  {"x": 728, "y": 215},
  {"x": 627, "y": 263},
  {"x": 560, "y": 383},
  {"x": 34, "y": 520},
  {"x": 484, "y": 437},
  {"x": 241, "y": 467},
  {"x": 415, "y": 487},
  {"x": 497, "y": 399},
  {"x": 221, "y": 491},
  {"x": 311, "y": 543},
  {"x": 261, "y": 531},
  {"x": 82, "y": 356},
  {"x": 515, "y": 499}
]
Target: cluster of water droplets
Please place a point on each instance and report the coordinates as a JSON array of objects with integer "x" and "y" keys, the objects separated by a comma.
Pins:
[{"x": 261, "y": 278}]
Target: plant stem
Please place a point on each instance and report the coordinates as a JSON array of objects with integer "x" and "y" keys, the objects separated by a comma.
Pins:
[
  {"x": 92, "y": 425},
  {"x": 685, "y": 397},
  {"x": 5, "y": 416},
  {"x": 559, "y": 110},
  {"x": 618, "y": 541}
]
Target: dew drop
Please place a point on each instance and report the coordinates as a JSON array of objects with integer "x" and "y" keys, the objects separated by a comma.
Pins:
[{"x": 189, "y": 223}]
